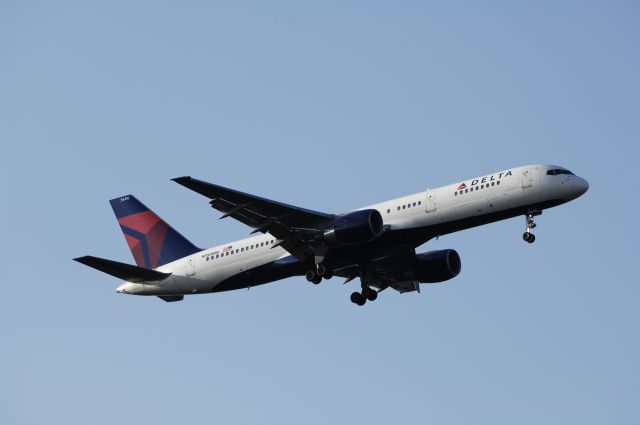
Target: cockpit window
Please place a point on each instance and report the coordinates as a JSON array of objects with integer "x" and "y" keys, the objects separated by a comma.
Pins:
[{"x": 558, "y": 172}]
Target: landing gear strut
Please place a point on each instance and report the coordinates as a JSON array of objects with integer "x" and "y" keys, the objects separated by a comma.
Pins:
[{"x": 527, "y": 236}]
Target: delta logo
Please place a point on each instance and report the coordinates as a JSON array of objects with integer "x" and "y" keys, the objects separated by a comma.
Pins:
[{"x": 487, "y": 179}]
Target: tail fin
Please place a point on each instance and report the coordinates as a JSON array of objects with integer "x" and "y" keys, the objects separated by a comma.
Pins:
[{"x": 151, "y": 240}]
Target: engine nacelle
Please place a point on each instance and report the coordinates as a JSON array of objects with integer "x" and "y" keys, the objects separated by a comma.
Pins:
[
  {"x": 436, "y": 266},
  {"x": 356, "y": 227}
]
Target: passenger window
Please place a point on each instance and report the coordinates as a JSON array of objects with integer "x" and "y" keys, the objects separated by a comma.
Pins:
[
  {"x": 388, "y": 210},
  {"x": 404, "y": 206},
  {"x": 455, "y": 193},
  {"x": 466, "y": 191},
  {"x": 419, "y": 202},
  {"x": 498, "y": 182},
  {"x": 414, "y": 204}
]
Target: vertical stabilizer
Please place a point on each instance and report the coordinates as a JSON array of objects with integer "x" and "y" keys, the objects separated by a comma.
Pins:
[{"x": 151, "y": 240}]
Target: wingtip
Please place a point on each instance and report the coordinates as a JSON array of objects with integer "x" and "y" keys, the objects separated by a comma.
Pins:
[
  {"x": 82, "y": 260},
  {"x": 181, "y": 179}
]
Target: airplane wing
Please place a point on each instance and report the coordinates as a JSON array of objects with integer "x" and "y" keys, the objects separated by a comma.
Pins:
[{"x": 293, "y": 226}]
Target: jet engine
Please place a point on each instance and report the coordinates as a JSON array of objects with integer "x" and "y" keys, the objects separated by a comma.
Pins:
[
  {"x": 355, "y": 227},
  {"x": 436, "y": 266}
]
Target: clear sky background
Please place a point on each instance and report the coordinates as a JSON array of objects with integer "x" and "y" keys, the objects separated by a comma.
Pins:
[{"x": 330, "y": 106}]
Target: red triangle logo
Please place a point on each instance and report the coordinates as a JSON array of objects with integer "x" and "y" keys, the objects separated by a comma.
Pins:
[{"x": 462, "y": 186}]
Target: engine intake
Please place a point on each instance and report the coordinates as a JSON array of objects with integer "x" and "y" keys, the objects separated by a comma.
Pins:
[
  {"x": 437, "y": 266},
  {"x": 356, "y": 227}
]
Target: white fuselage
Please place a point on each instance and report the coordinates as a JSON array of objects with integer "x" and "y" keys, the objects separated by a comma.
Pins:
[{"x": 483, "y": 196}]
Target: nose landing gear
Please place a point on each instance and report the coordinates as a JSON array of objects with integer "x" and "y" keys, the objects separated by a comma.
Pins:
[{"x": 527, "y": 236}]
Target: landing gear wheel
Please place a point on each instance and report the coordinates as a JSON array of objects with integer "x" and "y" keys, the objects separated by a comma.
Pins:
[
  {"x": 529, "y": 237},
  {"x": 358, "y": 298},
  {"x": 372, "y": 295},
  {"x": 313, "y": 277},
  {"x": 324, "y": 271}
]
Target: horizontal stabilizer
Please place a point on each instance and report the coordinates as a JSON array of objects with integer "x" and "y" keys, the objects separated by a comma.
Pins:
[{"x": 122, "y": 270}]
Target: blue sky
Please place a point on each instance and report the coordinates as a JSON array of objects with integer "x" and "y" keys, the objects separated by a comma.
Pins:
[{"x": 330, "y": 106}]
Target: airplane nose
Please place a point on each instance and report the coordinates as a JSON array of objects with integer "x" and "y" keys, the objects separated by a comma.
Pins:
[{"x": 580, "y": 185}]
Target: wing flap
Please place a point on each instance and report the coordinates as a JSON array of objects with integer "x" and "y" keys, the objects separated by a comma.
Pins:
[{"x": 122, "y": 271}]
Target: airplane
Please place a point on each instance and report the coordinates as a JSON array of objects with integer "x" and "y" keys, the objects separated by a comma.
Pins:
[{"x": 376, "y": 244}]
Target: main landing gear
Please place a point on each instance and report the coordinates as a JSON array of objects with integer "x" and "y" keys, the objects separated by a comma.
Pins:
[
  {"x": 360, "y": 298},
  {"x": 527, "y": 236},
  {"x": 367, "y": 293},
  {"x": 318, "y": 269},
  {"x": 316, "y": 274}
]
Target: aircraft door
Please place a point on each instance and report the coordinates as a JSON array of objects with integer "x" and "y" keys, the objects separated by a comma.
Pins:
[
  {"x": 190, "y": 268},
  {"x": 431, "y": 203},
  {"x": 527, "y": 178}
]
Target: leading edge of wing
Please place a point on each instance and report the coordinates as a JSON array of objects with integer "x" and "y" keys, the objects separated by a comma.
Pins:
[{"x": 213, "y": 191}]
